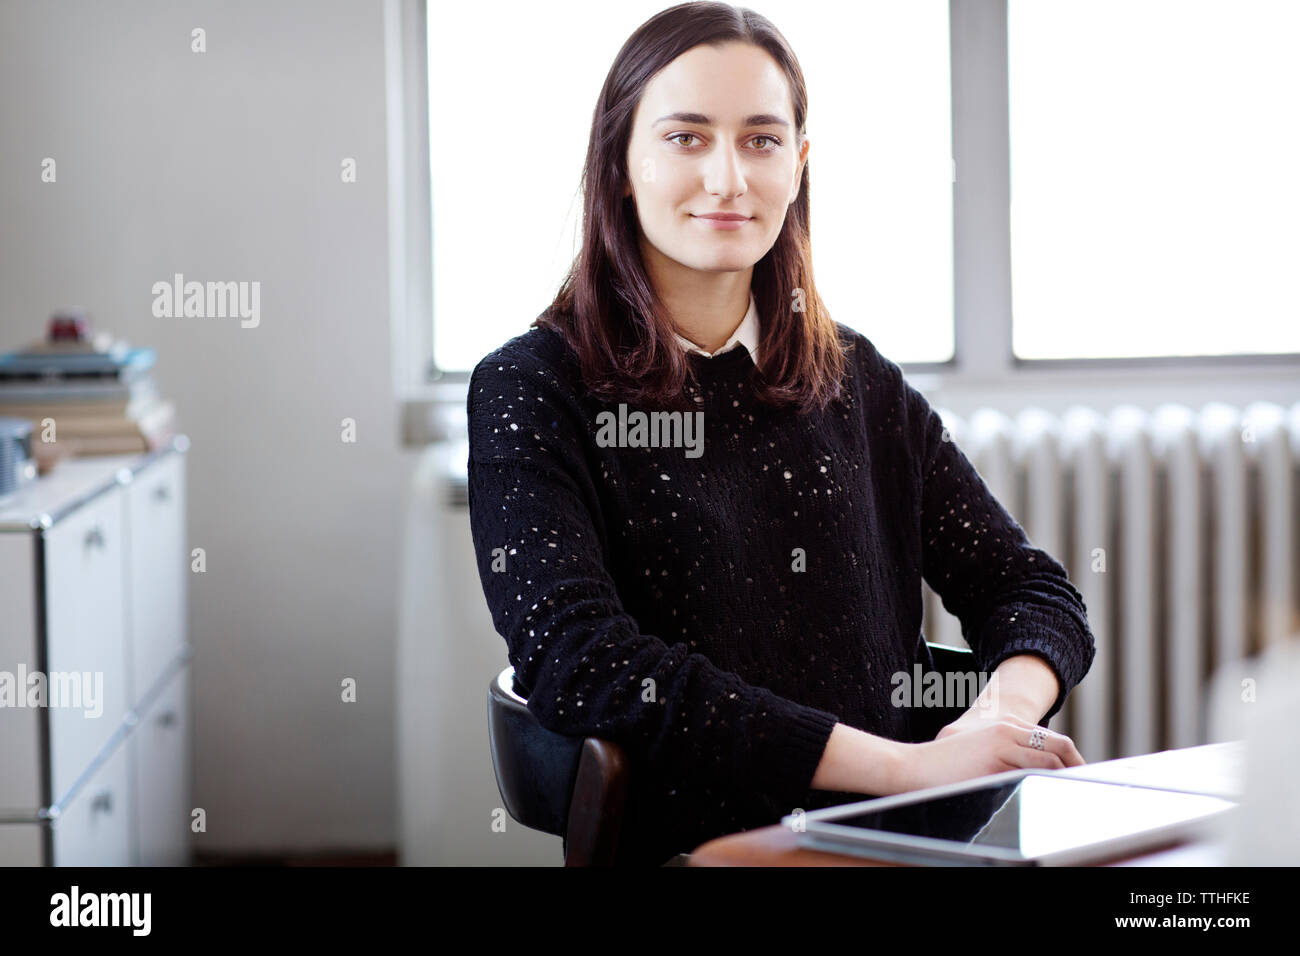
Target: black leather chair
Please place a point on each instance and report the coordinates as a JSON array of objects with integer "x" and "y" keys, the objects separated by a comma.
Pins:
[{"x": 576, "y": 787}]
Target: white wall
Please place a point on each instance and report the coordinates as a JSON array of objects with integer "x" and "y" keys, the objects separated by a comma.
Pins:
[{"x": 225, "y": 165}]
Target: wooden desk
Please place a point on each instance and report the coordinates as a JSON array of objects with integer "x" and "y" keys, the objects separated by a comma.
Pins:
[{"x": 1214, "y": 768}]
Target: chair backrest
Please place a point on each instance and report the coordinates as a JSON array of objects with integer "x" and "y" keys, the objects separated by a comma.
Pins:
[{"x": 535, "y": 767}]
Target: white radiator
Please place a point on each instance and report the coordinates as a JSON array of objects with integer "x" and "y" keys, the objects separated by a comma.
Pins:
[{"x": 1178, "y": 528}]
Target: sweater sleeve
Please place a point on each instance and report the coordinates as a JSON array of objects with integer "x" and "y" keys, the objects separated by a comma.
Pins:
[
  {"x": 1011, "y": 597},
  {"x": 537, "y": 530}
]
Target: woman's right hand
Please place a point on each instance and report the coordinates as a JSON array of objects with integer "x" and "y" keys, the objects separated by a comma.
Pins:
[{"x": 1000, "y": 746}]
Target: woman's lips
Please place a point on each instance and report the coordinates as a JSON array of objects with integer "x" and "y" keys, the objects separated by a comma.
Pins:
[{"x": 724, "y": 224}]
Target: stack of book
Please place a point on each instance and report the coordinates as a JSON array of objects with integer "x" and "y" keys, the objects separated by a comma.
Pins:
[{"x": 85, "y": 396}]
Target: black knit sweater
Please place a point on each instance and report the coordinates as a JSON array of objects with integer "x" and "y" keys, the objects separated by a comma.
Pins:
[{"x": 718, "y": 613}]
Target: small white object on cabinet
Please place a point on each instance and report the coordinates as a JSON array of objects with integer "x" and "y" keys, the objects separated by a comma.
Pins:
[{"x": 93, "y": 565}]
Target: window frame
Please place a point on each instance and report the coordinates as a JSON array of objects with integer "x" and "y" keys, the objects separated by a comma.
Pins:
[{"x": 433, "y": 399}]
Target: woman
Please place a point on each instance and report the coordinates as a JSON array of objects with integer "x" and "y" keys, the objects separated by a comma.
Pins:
[{"x": 702, "y": 509}]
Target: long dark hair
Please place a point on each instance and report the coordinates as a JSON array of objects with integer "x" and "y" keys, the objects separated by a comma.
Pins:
[{"x": 606, "y": 308}]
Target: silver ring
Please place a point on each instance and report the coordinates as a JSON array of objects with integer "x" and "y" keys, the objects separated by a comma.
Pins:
[{"x": 1036, "y": 738}]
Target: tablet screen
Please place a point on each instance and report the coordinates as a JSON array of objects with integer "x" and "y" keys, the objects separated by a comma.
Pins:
[{"x": 1040, "y": 814}]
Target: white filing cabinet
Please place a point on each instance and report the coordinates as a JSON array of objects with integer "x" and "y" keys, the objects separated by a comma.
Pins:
[{"x": 93, "y": 566}]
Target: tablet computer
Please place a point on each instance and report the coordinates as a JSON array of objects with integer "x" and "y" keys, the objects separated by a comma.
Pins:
[{"x": 1017, "y": 818}]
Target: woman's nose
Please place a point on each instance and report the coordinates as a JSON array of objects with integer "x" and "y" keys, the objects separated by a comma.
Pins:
[{"x": 724, "y": 176}]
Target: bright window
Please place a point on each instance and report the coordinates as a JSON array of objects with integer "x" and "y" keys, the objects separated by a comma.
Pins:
[{"x": 1155, "y": 202}]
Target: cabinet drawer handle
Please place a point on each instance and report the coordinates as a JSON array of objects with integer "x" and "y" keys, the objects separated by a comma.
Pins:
[
  {"x": 167, "y": 718},
  {"x": 162, "y": 493},
  {"x": 95, "y": 537},
  {"x": 103, "y": 801}
]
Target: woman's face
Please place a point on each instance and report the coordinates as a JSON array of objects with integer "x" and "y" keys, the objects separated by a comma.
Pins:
[{"x": 714, "y": 133}]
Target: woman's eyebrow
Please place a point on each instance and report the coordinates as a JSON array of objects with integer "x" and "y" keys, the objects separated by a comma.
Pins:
[{"x": 758, "y": 119}]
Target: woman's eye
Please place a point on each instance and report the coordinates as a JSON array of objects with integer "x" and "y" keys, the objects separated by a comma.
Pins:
[{"x": 776, "y": 143}]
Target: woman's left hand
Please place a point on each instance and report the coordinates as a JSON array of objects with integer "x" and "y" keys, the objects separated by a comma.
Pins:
[{"x": 976, "y": 718}]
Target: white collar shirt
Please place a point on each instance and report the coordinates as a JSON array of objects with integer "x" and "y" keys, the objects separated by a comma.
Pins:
[{"x": 746, "y": 334}]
